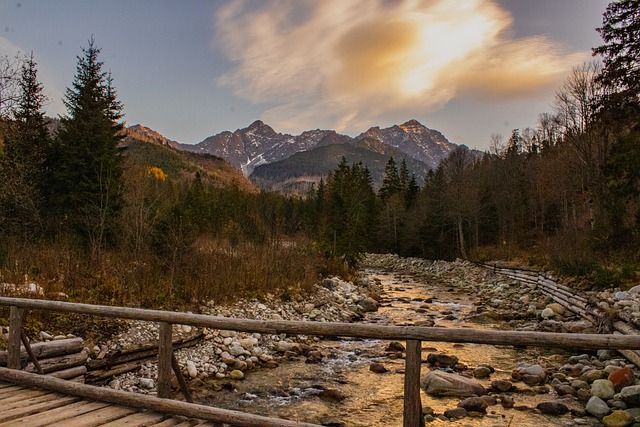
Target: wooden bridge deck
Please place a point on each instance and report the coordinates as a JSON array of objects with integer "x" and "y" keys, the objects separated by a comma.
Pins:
[{"x": 30, "y": 407}]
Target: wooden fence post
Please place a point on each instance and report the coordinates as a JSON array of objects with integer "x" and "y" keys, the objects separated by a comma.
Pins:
[
  {"x": 412, "y": 416},
  {"x": 165, "y": 351},
  {"x": 15, "y": 337}
]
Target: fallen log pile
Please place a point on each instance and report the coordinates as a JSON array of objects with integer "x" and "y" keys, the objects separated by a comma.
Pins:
[
  {"x": 70, "y": 359},
  {"x": 65, "y": 358},
  {"x": 108, "y": 364},
  {"x": 604, "y": 320}
]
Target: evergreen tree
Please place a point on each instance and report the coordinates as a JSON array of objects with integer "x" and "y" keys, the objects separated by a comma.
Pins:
[
  {"x": 86, "y": 163},
  {"x": 620, "y": 32},
  {"x": 350, "y": 212},
  {"x": 23, "y": 163},
  {"x": 391, "y": 182}
]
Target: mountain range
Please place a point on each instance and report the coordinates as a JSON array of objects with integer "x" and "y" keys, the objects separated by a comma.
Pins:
[{"x": 291, "y": 163}]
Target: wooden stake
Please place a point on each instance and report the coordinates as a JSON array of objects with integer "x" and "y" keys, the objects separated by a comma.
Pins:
[
  {"x": 165, "y": 351},
  {"x": 15, "y": 335},
  {"x": 412, "y": 416}
]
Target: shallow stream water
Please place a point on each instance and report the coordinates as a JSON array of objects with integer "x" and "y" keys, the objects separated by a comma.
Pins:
[{"x": 292, "y": 389}]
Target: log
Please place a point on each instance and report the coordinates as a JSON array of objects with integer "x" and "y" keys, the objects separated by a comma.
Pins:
[
  {"x": 142, "y": 352},
  {"x": 152, "y": 403},
  {"x": 61, "y": 362},
  {"x": 397, "y": 333},
  {"x": 70, "y": 373},
  {"x": 93, "y": 377},
  {"x": 43, "y": 350}
]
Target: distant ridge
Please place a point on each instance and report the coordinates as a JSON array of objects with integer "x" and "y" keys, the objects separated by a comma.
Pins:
[{"x": 286, "y": 162}]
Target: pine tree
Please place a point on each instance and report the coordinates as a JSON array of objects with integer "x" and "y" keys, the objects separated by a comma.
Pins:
[
  {"x": 620, "y": 32},
  {"x": 86, "y": 163},
  {"x": 23, "y": 164},
  {"x": 391, "y": 182}
]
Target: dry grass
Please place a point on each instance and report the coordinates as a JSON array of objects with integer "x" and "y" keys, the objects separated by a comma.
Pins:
[{"x": 210, "y": 269}]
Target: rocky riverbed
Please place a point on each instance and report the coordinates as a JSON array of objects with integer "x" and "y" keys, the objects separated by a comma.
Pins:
[{"x": 359, "y": 382}]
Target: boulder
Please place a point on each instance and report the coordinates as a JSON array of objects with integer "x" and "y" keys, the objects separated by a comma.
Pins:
[
  {"x": 441, "y": 360},
  {"x": 557, "y": 308},
  {"x": 622, "y": 378},
  {"x": 439, "y": 383},
  {"x": 618, "y": 419},
  {"x": 502, "y": 385},
  {"x": 552, "y": 408},
  {"x": 603, "y": 389},
  {"x": 378, "y": 368},
  {"x": 597, "y": 407},
  {"x": 631, "y": 395},
  {"x": 474, "y": 404}
]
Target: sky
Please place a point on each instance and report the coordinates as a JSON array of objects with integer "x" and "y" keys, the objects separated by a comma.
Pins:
[{"x": 193, "y": 68}]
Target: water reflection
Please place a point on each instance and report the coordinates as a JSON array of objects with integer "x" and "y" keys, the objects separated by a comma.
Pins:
[{"x": 298, "y": 391}]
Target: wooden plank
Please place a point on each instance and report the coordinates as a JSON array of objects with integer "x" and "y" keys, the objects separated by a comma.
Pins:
[
  {"x": 21, "y": 400},
  {"x": 7, "y": 417},
  {"x": 15, "y": 337},
  {"x": 140, "y": 419},
  {"x": 169, "y": 422},
  {"x": 402, "y": 333},
  {"x": 96, "y": 418},
  {"x": 65, "y": 412},
  {"x": 165, "y": 406},
  {"x": 412, "y": 414},
  {"x": 13, "y": 389},
  {"x": 165, "y": 351}
]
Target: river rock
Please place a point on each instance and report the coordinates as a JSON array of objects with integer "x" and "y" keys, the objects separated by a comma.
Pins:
[
  {"x": 507, "y": 401},
  {"x": 603, "y": 389},
  {"x": 622, "y": 378},
  {"x": 236, "y": 375},
  {"x": 191, "y": 369},
  {"x": 557, "y": 308},
  {"x": 597, "y": 407},
  {"x": 618, "y": 419},
  {"x": 442, "y": 360},
  {"x": 147, "y": 383},
  {"x": 547, "y": 313},
  {"x": 482, "y": 372},
  {"x": 368, "y": 305},
  {"x": 474, "y": 404},
  {"x": 530, "y": 375},
  {"x": 593, "y": 374},
  {"x": 439, "y": 383},
  {"x": 378, "y": 368},
  {"x": 631, "y": 395},
  {"x": 502, "y": 385},
  {"x": 552, "y": 408},
  {"x": 395, "y": 346},
  {"x": 454, "y": 413},
  {"x": 332, "y": 394}
]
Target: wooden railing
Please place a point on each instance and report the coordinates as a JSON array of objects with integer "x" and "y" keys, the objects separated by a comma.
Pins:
[
  {"x": 413, "y": 335},
  {"x": 615, "y": 320}
]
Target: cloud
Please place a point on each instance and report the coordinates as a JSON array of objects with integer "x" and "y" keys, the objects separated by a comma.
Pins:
[{"x": 343, "y": 64}]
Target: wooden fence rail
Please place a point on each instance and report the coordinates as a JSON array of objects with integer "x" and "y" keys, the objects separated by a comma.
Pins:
[{"x": 413, "y": 335}]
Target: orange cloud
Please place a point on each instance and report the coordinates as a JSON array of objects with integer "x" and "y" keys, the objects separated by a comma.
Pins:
[{"x": 343, "y": 64}]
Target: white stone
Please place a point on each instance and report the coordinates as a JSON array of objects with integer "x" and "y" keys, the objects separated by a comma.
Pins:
[{"x": 191, "y": 369}]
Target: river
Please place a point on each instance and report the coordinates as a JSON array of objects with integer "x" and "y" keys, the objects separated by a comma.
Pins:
[{"x": 293, "y": 389}]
